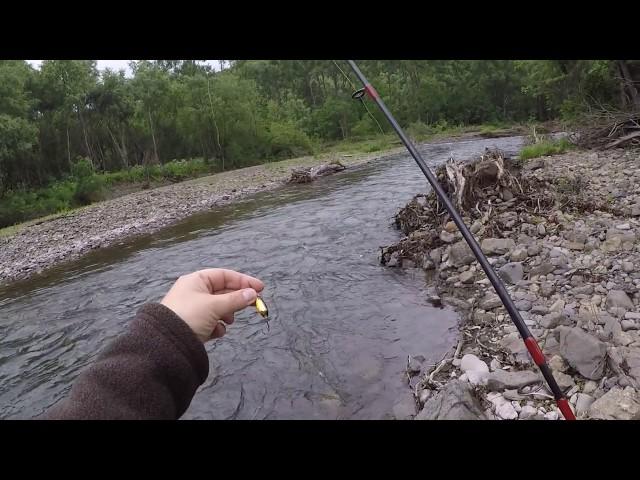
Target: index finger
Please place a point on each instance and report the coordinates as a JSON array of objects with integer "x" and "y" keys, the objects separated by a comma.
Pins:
[{"x": 218, "y": 279}]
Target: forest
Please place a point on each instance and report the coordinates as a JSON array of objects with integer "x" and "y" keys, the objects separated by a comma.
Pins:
[{"x": 69, "y": 130}]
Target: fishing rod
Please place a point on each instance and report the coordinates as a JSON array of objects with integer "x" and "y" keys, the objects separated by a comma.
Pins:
[{"x": 529, "y": 341}]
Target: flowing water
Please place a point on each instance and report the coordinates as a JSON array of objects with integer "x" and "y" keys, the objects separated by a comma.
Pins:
[{"x": 341, "y": 325}]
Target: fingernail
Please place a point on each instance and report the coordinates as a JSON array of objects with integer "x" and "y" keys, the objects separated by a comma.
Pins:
[{"x": 249, "y": 294}]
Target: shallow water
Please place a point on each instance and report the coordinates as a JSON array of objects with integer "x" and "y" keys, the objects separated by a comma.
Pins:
[{"x": 341, "y": 325}]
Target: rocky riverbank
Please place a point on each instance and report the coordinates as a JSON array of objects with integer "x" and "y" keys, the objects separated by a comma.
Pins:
[
  {"x": 563, "y": 234},
  {"x": 36, "y": 246}
]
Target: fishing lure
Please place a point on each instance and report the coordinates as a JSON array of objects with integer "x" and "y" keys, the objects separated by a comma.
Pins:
[{"x": 261, "y": 308}]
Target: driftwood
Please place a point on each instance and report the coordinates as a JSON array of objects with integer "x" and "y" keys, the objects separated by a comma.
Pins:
[
  {"x": 609, "y": 129},
  {"x": 487, "y": 190},
  {"x": 306, "y": 175}
]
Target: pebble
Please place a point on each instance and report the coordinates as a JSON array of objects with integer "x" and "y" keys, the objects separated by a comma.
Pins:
[{"x": 527, "y": 411}]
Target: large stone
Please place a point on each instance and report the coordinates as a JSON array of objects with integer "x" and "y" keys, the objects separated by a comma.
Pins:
[
  {"x": 617, "y": 404},
  {"x": 612, "y": 244},
  {"x": 583, "y": 352},
  {"x": 618, "y": 299},
  {"x": 466, "y": 277},
  {"x": 632, "y": 360},
  {"x": 542, "y": 269},
  {"x": 490, "y": 301},
  {"x": 553, "y": 319},
  {"x": 519, "y": 254},
  {"x": 497, "y": 246},
  {"x": 514, "y": 344},
  {"x": 460, "y": 254},
  {"x": 583, "y": 403},
  {"x": 627, "y": 267},
  {"x": 534, "y": 249},
  {"x": 470, "y": 362},
  {"x": 500, "y": 380},
  {"x": 564, "y": 381},
  {"x": 454, "y": 402},
  {"x": 527, "y": 412},
  {"x": 511, "y": 272},
  {"x": 523, "y": 305}
]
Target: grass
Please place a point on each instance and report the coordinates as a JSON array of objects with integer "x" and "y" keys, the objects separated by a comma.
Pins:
[{"x": 545, "y": 148}]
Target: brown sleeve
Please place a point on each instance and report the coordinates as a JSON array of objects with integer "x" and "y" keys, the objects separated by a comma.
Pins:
[{"x": 150, "y": 372}]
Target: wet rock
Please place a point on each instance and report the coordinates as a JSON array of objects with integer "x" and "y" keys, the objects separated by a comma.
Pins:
[
  {"x": 393, "y": 260},
  {"x": 415, "y": 365},
  {"x": 616, "y": 404},
  {"x": 497, "y": 246},
  {"x": 404, "y": 409},
  {"x": 618, "y": 299},
  {"x": 460, "y": 254},
  {"x": 454, "y": 402},
  {"x": 500, "y": 380},
  {"x": 511, "y": 272},
  {"x": 583, "y": 352}
]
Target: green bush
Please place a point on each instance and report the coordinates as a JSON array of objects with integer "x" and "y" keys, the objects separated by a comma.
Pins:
[
  {"x": 20, "y": 206},
  {"x": 285, "y": 140},
  {"x": 546, "y": 147},
  {"x": 89, "y": 190},
  {"x": 365, "y": 127}
]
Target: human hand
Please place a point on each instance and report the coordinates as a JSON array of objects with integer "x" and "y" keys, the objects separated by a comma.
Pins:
[{"x": 207, "y": 299}]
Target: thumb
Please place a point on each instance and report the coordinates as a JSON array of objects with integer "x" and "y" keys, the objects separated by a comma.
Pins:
[{"x": 229, "y": 303}]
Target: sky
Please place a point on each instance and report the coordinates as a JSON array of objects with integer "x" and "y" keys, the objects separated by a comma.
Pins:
[{"x": 120, "y": 64}]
